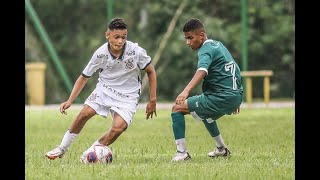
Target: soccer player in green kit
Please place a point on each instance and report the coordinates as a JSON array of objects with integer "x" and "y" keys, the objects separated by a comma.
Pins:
[{"x": 222, "y": 90}]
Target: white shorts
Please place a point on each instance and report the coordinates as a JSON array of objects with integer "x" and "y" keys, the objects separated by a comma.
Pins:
[{"x": 103, "y": 103}]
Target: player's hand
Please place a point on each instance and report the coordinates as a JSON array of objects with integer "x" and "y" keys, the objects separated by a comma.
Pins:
[
  {"x": 181, "y": 97},
  {"x": 64, "y": 106},
  {"x": 151, "y": 109},
  {"x": 237, "y": 111}
]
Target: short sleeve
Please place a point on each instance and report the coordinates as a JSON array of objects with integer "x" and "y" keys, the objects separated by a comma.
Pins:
[
  {"x": 94, "y": 64},
  {"x": 143, "y": 59},
  {"x": 204, "y": 59}
]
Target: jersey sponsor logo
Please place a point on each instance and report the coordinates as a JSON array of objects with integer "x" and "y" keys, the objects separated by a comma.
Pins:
[
  {"x": 115, "y": 92},
  {"x": 102, "y": 55},
  {"x": 131, "y": 53}
]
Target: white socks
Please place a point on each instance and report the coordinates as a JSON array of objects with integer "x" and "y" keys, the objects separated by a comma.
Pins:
[
  {"x": 219, "y": 141},
  {"x": 67, "y": 140},
  {"x": 181, "y": 145}
]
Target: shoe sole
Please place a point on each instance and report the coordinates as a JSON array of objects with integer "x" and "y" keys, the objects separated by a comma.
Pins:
[
  {"x": 54, "y": 157},
  {"x": 224, "y": 155}
]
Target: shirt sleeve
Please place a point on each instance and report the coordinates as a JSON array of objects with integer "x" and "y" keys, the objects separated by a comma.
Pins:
[
  {"x": 204, "y": 60},
  {"x": 143, "y": 60},
  {"x": 94, "y": 64}
]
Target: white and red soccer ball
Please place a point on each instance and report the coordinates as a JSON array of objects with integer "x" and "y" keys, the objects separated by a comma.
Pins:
[{"x": 99, "y": 153}]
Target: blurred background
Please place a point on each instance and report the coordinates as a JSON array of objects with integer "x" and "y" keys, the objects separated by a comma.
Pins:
[{"x": 63, "y": 35}]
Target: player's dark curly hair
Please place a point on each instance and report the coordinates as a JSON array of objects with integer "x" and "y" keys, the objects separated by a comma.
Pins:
[
  {"x": 117, "y": 23},
  {"x": 193, "y": 24}
]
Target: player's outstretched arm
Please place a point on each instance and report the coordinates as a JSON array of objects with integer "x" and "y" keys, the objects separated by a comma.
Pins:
[{"x": 78, "y": 86}]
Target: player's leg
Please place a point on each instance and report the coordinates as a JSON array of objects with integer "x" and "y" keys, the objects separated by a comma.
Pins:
[
  {"x": 93, "y": 105},
  {"x": 179, "y": 128},
  {"x": 224, "y": 103},
  {"x": 202, "y": 108},
  {"x": 220, "y": 104},
  {"x": 119, "y": 125},
  {"x": 221, "y": 149},
  {"x": 78, "y": 123},
  {"x": 122, "y": 119}
]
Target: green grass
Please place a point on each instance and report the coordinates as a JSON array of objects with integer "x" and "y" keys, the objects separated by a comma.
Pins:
[{"x": 261, "y": 141}]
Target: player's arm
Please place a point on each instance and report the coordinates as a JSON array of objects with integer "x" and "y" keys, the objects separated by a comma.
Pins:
[
  {"x": 152, "y": 76},
  {"x": 78, "y": 86},
  {"x": 197, "y": 78}
]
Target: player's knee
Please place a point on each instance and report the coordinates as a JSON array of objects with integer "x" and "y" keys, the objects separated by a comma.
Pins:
[
  {"x": 117, "y": 129},
  {"x": 175, "y": 108},
  {"x": 86, "y": 114}
]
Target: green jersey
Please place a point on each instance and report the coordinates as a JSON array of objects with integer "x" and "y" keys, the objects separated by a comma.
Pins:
[{"x": 223, "y": 73}]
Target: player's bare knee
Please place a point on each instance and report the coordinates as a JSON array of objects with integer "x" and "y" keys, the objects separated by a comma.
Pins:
[
  {"x": 83, "y": 115},
  {"x": 117, "y": 129},
  {"x": 175, "y": 108},
  {"x": 86, "y": 113}
]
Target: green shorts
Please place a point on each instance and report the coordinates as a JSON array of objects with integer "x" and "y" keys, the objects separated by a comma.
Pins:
[{"x": 213, "y": 106}]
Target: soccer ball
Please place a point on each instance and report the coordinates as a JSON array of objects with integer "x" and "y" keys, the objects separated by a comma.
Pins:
[{"x": 98, "y": 153}]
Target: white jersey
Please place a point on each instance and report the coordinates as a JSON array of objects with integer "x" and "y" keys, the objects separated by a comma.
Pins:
[{"x": 119, "y": 77}]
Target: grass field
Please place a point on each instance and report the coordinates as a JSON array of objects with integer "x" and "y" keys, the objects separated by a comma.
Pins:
[{"x": 262, "y": 144}]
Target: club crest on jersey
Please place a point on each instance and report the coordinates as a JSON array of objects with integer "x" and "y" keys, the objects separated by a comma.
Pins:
[
  {"x": 129, "y": 63},
  {"x": 93, "y": 97}
]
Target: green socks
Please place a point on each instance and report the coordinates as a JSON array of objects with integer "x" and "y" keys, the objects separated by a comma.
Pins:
[
  {"x": 178, "y": 125},
  {"x": 212, "y": 128}
]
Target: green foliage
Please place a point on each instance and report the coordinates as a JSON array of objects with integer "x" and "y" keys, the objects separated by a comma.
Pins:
[
  {"x": 77, "y": 28},
  {"x": 271, "y": 43},
  {"x": 261, "y": 141}
]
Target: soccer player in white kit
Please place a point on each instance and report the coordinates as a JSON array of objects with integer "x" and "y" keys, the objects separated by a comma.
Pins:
[{"x": 119, "y": 63}]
